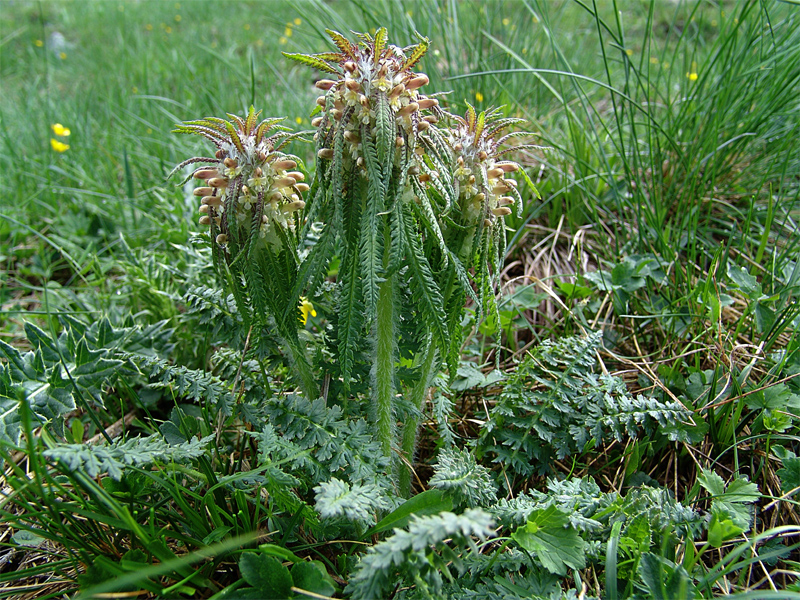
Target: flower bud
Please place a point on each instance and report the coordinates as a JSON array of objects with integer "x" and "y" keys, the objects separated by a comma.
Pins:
[
  {"x": 399, "y": 142},
  {"x": 363, "y": 100},
  {"x": 325, "y": 154},
  {"x": 202, "y": 191},
  {"x": 352, "y": 85},
  {"x": 397, "y": 90},
  {"x": 431, "y": 119},
  {"x": 302, "y": 187},
  {"x": 479, "y": 197},
  {"x": 283, "y": 182},
  {"x": 230, "y": 163},
  {"x": 350, "y": 66},
  {"x": 205, "y": 220},
  {"x": 487, "y": 223},
  {"x": 507, "y": 166},
  {"x": 325, "y": 84},
  {"x": 427, "y": 102},
  {"x": 290, "y": 207},
  {"x": 494, "y": 173},
  {"x": 459, "y": 148},
  {"x": 316, "y": 121},
  {"x": 276, "y": 196},
  {"x": 410, "y": 108},
  {"x": 482, "y": 155},
  {"x": 501, "y": 211},
  {"x": 321, "y": 101},
  {"x": 220, "y": 153},
  {"x": 505, "y": 201},
  {"x": 296, "y": 175},
  {"x": 284, "y": 165},
  {"x": 423, "y": 125},
  {"x": 352, "y": 137},
  {"x": 424, "y": 177},
  {"x": 206, "y": 173},
  {"x": 212, "y": 200},
  {"x": 204, "y": 208},
  {"x": 222, "y": 238},
  {"x": 337, "y": 114},
  {"x": 218, "y": 182},
  {"x": 417, "y": 82}
]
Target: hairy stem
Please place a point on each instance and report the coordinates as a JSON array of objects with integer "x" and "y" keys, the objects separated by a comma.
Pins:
[
  {"x": 297, "y": 359},
  {"x": 409, "y": 436},
  {"x": 384, "y": 365}
]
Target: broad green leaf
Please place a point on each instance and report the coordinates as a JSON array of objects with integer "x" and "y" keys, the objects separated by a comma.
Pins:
[
  {"x": 664, "y": 579},
  {"x": 429, "y": 502},
  {"x": 279, "y": 552},
  {"x": 557, "y": 544},
  {"x": 790, "y": 474},
  {"x": 266, "y": 574},
  {"x": 746, "y": 282},
  {"x": 720, "y": 530},
  {"x": 313, "y": 577}
]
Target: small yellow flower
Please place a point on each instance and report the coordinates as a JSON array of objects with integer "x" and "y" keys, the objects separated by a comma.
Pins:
[
  {"x": 149, "y": 27},
  {"x": 168, "y": 29},
  {"x": 178, "y": 18},
  {"x": 535, "y": 19},
  {"x": 60, "y": 130},
  {"x": 62, "y": 55},
  {"x": 506, "y": 21},
  {"x": 629, "y": 52},
  {"x": 653, "y": 60},
  {"x": 38, "y": 43},
  {"x": 283, "y": 40},
  {"x": 692, "y": 76},
  {"x": 297, "y": 21},
  {"x": 713, "y": 22},
  {"x": 287, "y": 32},
  {"x": 299, "y": 120},
  {"x": 247, "y": 26},
  {"x": 58, "y": 146},
  {"x": 135, "y": 90},
  {"x": 478, "y": 96},
  {"x": 306, "y": 308}
]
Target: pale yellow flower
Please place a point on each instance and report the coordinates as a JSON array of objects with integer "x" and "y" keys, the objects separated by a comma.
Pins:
[
  {"x": 58, "y": 146},
  {"x": 297, "y": 21},
  {"x": 478, "y": 96},
  {"x": 38, "y": 43},
  {"x": 306, "y": 308}
]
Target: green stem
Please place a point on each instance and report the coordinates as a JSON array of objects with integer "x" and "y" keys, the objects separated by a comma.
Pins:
[
  {"x": 297, "y": 359},
  {"x": 409, "y": 439},
  {"x": 384, "y": 365}
]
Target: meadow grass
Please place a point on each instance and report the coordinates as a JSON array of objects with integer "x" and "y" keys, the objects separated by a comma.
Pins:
[{"x": 669, "y": 180}]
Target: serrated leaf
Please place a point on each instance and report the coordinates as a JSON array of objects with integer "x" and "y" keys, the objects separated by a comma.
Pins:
[
  {"x": 789, "y": 474},
  {"x": 429, "y": 502},
  {"x": 313, "y": 577},
  {"x": 342, "y": 43},
  {"x": 416, "y": 54},
  {"x": 746, "y": 282},
  {"x": 557, "y": 544},
  {"x": 311, "y": 61},
  {"x": 664, "y": 579}
]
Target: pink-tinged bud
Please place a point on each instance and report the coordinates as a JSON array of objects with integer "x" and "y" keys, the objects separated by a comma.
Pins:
[
  {"x": 494, "y": 173},
  {"x": 408, "y": 109},
  {"x": 350, "y": 66},
  {"x": 424, "y": 177},
  {"x": 222, "y": 238},
  {"x": 431, "y": 119},
  {"x": 258, "y": 172},
  {"x": 316, "y": 121},
  {"x": 321, "y": 101},
  {"x": 423, "y": 125},
  {"x": 204, "y": 208},
  {"x": 302, "y": 187},
  {"x": 459, "y": 148},
  {"x": 212, "y": 200},
  {"x": 482, "y": 155},
  {"x": 417, "y": 82},
  {"x": 284, "y": 165},
  {"x": 507, "y": 166},
  {"x": 427, "y": 102},
  {"x": 206, "y": 173},
  {"x": 262, "y": 156},
  {"x": 230, "y": 163},
  {"x": 505, "y": 201},
  {"x": 471, "y": 179},
  {"x": 325, "y": 154},
  {"x": 296, "y": 175},
  {"x": 202, "y": 191},
  {"x": 220, "y": 153},
  {"x": 352, "y": 85},
  {"x": 218, "y": 182},
  {"x": 325, "y": 84},
  {"x": 283, "y": 182},
  {"x": 290, "y": 207},
  {"x": 501, "y": 211},
  {"x": 205, "y": 220},
  {"x": 397, "y": 90},
  {"x": 399, "y": 142}
]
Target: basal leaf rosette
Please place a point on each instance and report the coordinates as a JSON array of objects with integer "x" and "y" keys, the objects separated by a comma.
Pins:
[{"x": 252, "y": 190}]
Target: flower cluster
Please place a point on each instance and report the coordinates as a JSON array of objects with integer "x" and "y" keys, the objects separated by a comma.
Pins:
[
  {"x": 480, "y": 180},
  {"x": 375, "y": 88},
  {"x": 251, "y": 183}
]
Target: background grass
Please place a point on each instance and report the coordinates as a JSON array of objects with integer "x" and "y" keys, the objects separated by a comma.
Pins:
[{"x": 669, "y": 168}]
